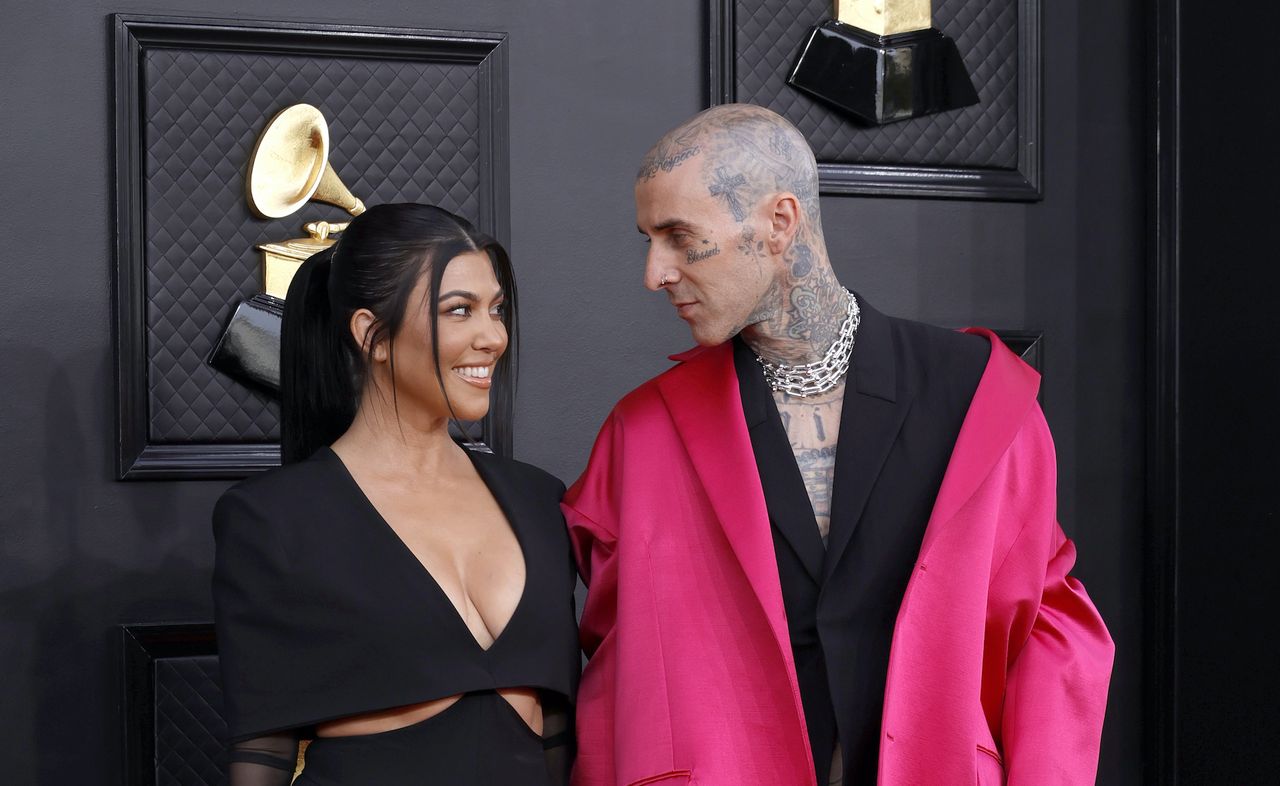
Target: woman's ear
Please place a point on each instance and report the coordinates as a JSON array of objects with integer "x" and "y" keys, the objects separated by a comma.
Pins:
[{"x": 361, "y": 325}]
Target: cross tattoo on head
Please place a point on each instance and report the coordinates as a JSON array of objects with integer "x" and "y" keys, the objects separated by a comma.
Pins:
[{"x": 726, "y": 187}]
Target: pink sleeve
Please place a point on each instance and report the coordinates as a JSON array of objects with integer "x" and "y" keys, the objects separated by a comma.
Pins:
[
  {"x": 594, "y": 765},
  {"x": 594, "y": 549},
  {"x": 1056, "y": 685}
]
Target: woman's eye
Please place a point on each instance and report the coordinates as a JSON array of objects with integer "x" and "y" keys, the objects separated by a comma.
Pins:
[
  {"x": 498, "y": 310},
  {"x": 459, "y": 311}
]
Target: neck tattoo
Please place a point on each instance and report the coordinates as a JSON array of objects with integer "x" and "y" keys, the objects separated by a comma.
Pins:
[{"x": 812, "y": 379}]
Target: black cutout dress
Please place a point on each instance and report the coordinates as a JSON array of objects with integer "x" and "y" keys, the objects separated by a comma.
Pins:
[{"x": 323, "y": 612}]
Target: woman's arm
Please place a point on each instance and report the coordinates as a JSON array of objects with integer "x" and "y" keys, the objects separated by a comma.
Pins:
[
  {"x": 558, "y": 738},
  {"x": 264, "y": 761},
  {"x": 249, "y": 569}
]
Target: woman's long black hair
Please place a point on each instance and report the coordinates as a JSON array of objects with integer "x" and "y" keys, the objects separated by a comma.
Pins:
[{"x": 377, "y": 262}]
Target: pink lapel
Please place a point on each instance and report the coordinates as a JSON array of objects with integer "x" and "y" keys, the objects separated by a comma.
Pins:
[
  {"x": 703, "y": 399},
  {"x": 1007, "y": 388},
  {"x": 933, "y": 686}
]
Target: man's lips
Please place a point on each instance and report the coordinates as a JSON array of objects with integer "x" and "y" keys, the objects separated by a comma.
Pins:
[{"x": 683, "y": 309}]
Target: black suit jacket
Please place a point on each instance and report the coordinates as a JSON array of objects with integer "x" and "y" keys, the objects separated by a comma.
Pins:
[{"x": 906, "y": 395}]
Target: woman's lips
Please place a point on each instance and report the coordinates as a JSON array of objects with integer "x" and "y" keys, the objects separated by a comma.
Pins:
[{"x": 470, "y": 375}]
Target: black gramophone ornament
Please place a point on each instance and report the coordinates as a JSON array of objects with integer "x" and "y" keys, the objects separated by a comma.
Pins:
[{"x": 883, "y": 61}]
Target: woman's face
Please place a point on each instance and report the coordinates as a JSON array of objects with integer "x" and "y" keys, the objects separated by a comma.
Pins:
[{"x": 472, "y": 338}]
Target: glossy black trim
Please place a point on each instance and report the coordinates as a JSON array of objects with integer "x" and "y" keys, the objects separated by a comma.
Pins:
[
  {"x": 1023, "y": 184},
  {"x": 137, "y": 458},
  {"x": 852, "y": 70},
  {"x": 1161, "y": 514}
]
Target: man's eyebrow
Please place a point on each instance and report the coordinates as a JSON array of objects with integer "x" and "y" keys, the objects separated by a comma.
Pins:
[{"x": 670, "y": 223}]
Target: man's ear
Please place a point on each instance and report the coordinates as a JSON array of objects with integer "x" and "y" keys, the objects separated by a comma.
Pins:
[
  {"x": 361, "y": 326},
  {"x": 784, "y": 221}
]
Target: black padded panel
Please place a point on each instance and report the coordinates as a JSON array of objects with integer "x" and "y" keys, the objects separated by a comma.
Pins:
[
  {"x": 189, "y": 730},
  {"x": 400, "y": 130},
  {"x": 769, "y": 34}
]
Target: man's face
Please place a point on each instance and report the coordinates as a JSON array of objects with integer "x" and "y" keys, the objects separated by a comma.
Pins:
[{"x": 718, "y": 269}]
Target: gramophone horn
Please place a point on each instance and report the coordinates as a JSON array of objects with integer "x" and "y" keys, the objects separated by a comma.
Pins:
[{"x": 289, "y": 166}]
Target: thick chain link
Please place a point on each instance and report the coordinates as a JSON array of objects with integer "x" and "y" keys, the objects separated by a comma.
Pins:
[{"x": 812, "y": 379}]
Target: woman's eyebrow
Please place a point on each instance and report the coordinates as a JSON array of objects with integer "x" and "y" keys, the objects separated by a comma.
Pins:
[
  {"x": 459, "y": 293},
  {"x": 463, "y": 293}
]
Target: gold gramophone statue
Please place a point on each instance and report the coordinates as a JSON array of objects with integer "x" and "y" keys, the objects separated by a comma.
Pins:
[{"x": 289, "y": 167}]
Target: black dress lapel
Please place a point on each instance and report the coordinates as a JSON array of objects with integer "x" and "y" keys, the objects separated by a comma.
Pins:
[
  {"x": 790, "y": 510},
  {"x": 875, "y": 406},
  {"x": 512, "y": 499}
]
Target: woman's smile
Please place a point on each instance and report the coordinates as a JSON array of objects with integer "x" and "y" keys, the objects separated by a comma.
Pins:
[{"x": 480, "y": 376}]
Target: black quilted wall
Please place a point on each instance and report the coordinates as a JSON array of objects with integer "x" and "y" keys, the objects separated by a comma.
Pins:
[
  {"x": 770, "y": 32},
  {"x": 189, "y": 729},
  {"x": 399, "y": 131}
]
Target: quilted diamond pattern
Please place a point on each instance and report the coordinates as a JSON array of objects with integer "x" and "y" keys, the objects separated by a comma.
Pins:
[
  {"x": 189, "y": 729},
  {"x": 400, "y": 131},
  {"x": 769, "y": 33}
]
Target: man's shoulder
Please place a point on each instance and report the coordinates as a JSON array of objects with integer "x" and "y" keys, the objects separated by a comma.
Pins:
[
  {"x": 647, "y": 396},
  {"x": 944, "y": 366},
  {"x": 935, "y": 347}
]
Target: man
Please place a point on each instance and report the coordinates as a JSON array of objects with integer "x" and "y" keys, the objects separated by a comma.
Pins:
[{"x": 823, "y": 547}]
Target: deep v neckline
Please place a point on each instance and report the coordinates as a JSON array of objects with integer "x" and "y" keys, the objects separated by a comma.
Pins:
[{"x": 507, "y": 513}]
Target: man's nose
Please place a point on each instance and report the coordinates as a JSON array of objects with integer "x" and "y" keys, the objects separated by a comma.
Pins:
[{"x": 656, "y": 270}]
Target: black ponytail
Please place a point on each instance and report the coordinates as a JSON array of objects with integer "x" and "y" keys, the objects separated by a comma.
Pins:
[
  {"x": 317, "y": 384},
  {"x": 375, "y": 265}
]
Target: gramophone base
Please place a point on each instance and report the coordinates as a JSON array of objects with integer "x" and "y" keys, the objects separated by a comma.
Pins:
[
  {"x": 249, "y": 348},
  {"x": 879, "y": 79}
]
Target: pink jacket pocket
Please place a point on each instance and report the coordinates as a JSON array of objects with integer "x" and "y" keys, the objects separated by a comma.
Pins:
[
  {"x": 990, "y": 767},
  {"x": 675, "y": 776}
]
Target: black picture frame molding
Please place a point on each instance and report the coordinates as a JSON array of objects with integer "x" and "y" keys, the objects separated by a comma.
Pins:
[
  {"x": 137, "y": 457},
  {"x": 1162, "y": 513},
  {"x": 140, "y": 646}
]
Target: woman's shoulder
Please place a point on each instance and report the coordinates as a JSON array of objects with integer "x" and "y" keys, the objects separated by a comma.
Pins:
[
  {"x": 286, "y": 488},
  {"x": 528, "y": 477}
]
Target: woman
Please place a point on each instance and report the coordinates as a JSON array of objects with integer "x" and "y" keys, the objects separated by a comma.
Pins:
[{"x": 404, "y": 601}]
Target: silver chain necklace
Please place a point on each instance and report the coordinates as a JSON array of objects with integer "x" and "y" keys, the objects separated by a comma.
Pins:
[{"x": 812, "y": 379}]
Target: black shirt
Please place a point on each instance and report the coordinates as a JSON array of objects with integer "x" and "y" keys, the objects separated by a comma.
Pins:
[{"x": 906, "y": 394}]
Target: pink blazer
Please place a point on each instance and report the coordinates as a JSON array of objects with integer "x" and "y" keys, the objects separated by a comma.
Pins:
[{"x": 999, "y": 666}]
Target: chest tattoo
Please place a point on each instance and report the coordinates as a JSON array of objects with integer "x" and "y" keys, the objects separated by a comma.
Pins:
[{"x": 813, "y": 428}]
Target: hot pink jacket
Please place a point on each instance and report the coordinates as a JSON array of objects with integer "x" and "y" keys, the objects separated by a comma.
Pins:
[{"x": 999, "y": 666}]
